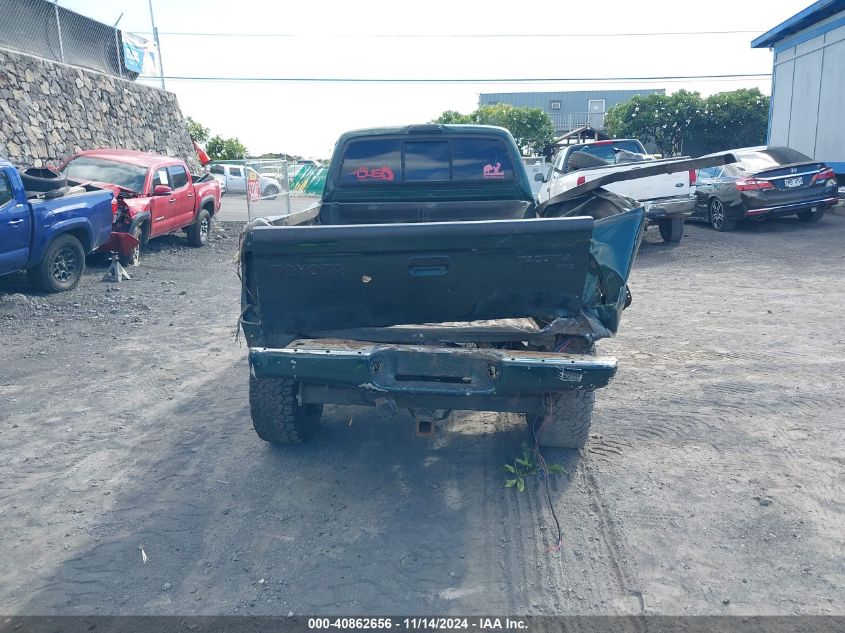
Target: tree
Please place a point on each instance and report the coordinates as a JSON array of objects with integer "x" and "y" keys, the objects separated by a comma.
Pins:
[
  {"x": 734, "y": 119},
  {"x": 451, "y": 116},
  {"x": 531, "y": 127},
  {"x": 198, "y": 132},
  {"x": 685, "y": 123},
  {"x": 665, "y": 120},
  {"x": 219, "y": 148}
]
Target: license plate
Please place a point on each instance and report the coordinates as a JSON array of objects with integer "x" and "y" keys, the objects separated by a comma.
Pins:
[{"x": 793, "y": 182}]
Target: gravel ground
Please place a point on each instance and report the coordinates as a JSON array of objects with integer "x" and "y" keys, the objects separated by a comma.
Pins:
[{"x": 132, "y": 482}]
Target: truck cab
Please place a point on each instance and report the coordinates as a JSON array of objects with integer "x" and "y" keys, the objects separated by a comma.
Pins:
[{"x": 426, "y": 173}]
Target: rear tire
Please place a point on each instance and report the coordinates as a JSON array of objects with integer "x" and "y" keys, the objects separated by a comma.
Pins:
[
  {"x": 672, "y": 229},
  {"x": 277, "y": 416},
  {"x": 61, "y": 267},
  {"x": 718, "y": 218},
  {"x": 809, "y": 216},
  {"x": 199, "y": 232},
  {"x": 566, "y": 421}
]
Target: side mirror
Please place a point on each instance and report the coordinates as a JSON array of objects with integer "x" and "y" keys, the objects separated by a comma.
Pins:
[
  {"x": 539, "y": 177},
  {"x": 162, "y": 190}
]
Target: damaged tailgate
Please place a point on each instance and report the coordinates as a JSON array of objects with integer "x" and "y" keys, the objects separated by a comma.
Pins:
[{"x": 316, "y": 278}]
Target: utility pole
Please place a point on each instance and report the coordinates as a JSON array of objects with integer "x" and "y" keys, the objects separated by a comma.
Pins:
[
  {"x": 59, "y": 27},
  {"x": 158, "y": 44}
]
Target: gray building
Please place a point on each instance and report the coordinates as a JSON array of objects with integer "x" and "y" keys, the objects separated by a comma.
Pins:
[
  {"x": 808, "y": 82},
  {"x": 568, "y": 110}
]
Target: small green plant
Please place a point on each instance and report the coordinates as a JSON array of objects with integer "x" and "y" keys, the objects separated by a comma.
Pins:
[{"x": 525, "y": 466}]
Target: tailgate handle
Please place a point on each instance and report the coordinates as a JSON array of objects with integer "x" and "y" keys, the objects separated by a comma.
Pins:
[{"x": 428, "y": 266}]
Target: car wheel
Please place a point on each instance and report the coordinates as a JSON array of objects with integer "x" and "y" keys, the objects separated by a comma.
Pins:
[
  {"x": 61, "y": 267},
  {"x": 199, "y": 233},
  {"x": 672, "y": 230},
  {"x": 271, "y": 192},
  {"x": 718, "y": 217},
  {"x": 811, "y": 216}
]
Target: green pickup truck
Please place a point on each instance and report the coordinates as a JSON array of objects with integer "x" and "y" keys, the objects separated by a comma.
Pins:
[{"x": 429, "y": 279}]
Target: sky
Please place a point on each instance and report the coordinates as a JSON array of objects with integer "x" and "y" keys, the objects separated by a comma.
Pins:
[{"x": 434, "y": 40}]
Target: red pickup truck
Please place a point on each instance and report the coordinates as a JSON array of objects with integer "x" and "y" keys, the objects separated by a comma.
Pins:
[{"x": 156, "y": 195}]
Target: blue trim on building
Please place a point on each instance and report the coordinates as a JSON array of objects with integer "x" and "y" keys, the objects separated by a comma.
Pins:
[
  {"x": 805, "y": 37},
  {"x": 839, "y": 168},
  {"x": 811, "y": 15}
]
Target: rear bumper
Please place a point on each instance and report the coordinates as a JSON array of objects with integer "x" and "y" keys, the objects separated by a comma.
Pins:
[
  {"x": 788, "y": 209},
  {"x": 389, "y": 369},
  {"x": 121, "y": 243},
  {"x": 668, "y": 208}
]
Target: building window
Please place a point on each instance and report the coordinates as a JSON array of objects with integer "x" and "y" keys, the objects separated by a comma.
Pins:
[{"x": 555, "y": 105}]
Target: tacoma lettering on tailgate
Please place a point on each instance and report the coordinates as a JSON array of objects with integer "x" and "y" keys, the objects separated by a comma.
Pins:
[
  {"x": 559, "y": 261},
  {"x": 310, "y": 270}
]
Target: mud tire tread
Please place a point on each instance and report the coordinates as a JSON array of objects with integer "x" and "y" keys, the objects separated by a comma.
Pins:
[
  {"x": 276, "y": 415},
  {"x": 568, "y": 419}
]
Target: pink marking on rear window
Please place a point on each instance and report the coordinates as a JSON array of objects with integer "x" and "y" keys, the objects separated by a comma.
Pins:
[
  {"x": 493, "y": 171},
  {"x": 376, "y": 173}
]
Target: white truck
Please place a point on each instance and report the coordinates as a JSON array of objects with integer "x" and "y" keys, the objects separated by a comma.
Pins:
[
  {"x": 668, "y": 198},
  {"x": 234, "y": 179}
]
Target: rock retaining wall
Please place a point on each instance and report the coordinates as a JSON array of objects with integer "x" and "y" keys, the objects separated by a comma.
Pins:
[{"x": 49, "y": 111}]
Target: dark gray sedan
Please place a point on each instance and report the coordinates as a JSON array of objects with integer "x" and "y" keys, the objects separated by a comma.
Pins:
[{"x": 765, "y": 182}]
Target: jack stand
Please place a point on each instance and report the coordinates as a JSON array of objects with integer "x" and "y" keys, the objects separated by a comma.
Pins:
[{"x": 116, "y": 271}]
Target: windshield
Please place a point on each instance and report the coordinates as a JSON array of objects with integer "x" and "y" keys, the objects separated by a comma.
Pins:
[
  {"x": 604, "y": 151},
  {"x": 124, "y": 175}
]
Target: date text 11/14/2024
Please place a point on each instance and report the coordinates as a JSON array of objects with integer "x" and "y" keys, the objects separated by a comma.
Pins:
[{"x": 418, "y": 624}]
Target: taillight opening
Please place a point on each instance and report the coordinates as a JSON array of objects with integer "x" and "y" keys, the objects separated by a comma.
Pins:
[
  {"x": 581, "y": 180},
  {"x": 114, "y": 209},
  {"x": 693, "y": 177},
  {"x": 823, "y": 176}
]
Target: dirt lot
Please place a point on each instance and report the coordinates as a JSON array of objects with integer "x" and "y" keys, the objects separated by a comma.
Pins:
[{"x": 713, "y": 482}]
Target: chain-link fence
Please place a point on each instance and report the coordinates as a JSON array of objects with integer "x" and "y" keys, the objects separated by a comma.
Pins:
[
  {"x": 260, "y": 187},
  {"x": 45, "y": 29}
]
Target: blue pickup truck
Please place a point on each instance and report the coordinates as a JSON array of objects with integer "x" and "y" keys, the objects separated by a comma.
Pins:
[{"x": 48, "y": 233}]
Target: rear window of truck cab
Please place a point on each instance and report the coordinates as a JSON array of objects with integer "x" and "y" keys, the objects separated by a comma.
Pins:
[
  {"x": 389, "y": 161},
  {"x": 605, "y": 150}
]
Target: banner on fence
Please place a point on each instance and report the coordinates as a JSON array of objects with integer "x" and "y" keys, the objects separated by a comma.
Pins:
[{"x": 139, "y": 55}]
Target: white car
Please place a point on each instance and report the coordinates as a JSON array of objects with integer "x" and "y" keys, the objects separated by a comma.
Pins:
[{"x": 234, "y": 178}]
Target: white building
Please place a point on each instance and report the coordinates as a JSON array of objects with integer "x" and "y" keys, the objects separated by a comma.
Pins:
[{"x": 808, "y": 82}]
